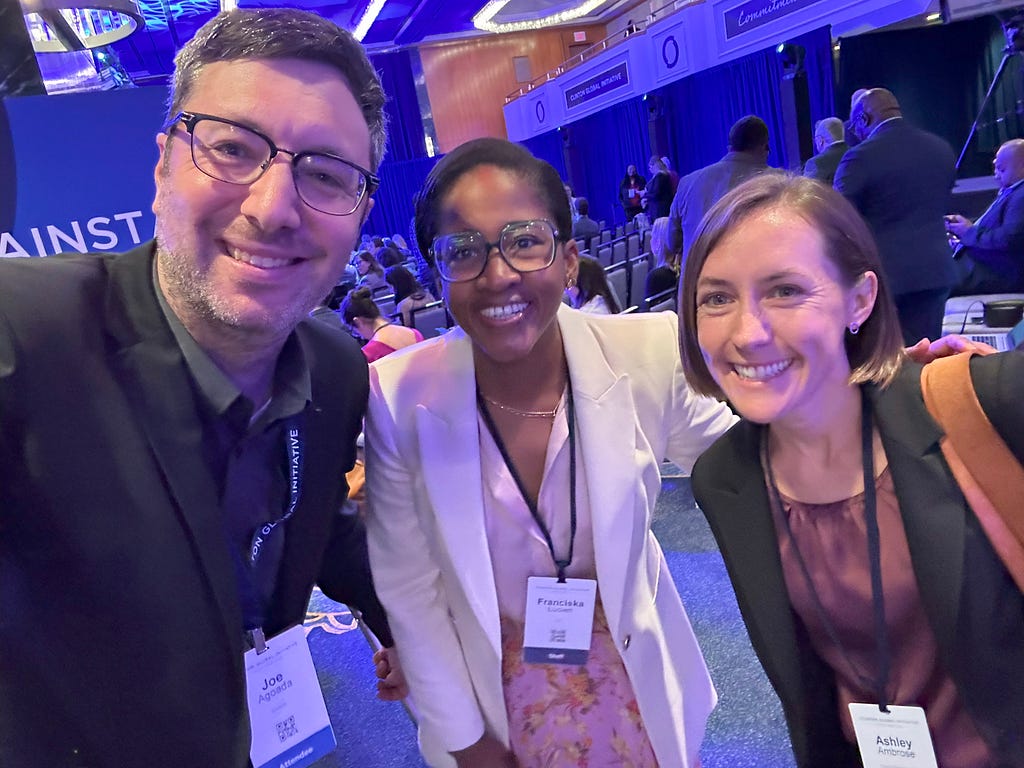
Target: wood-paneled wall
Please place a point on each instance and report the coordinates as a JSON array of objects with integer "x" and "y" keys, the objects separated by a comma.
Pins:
[{"x": 467, "y": 81}]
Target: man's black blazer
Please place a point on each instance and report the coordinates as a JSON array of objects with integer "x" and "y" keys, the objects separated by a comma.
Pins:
[
  {"x": 973, "y": 605},
  {"x": 120, "y": 624},
  {"x": 823, "y": 165},
  {"x": 901, "y": 179},
  {"x": 995, "y": 245}
]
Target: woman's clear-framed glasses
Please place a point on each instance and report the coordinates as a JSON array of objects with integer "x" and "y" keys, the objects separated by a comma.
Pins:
[
  {"x": 234, "y": 153},
  {"x": 526, "y": 246}
]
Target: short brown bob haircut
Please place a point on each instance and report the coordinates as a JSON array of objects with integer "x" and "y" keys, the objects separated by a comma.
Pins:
[{"x": 876, "y": 351}]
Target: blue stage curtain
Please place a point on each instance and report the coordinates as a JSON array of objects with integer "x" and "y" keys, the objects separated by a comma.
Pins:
[
  {"x": 940, "y": 75},
  {"x": 549, "y": 148},
  {"x": 399, "y": 183},
  {"x": 601, "y": 146},
  {"x": 701, "y": 108},
  {"x": 405, "y": 124}
]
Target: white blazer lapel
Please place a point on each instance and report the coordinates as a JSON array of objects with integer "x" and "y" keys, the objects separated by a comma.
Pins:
[
  {"x": 607, "y": 436},
  {"x": 447, "y": 430}
]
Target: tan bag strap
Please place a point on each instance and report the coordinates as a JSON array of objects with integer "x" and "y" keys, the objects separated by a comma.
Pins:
[{"x": 951, "y": 400}]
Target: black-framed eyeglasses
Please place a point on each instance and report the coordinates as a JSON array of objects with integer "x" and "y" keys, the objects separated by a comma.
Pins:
[
  {"x": 526, "y": 246},
  {"x": 237, "y": 154}
]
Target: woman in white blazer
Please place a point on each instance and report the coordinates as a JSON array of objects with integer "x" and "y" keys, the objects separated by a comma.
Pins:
[{"x": 465, "y": 432}]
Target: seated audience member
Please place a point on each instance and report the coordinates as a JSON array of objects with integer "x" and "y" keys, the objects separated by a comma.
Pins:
[
  {"x": 399, "y": 242},
  {"x": 831, "y": 146},
  {"x": 861, "y": 569},
  {"x": 472, "y": 441},
  {"x": 371, "y": 273},
  {"x": 327, "y": 313},
  {"x": 389, "y": 256},
  {"x": 665, "y": 274},
  {"x": 409, "y": 294},
  {"x": 590, "y": 291},
  {"x": 990, "y": 253},
  {"x": 362, "y": 315},
  {"x": 584, "y": 227}
]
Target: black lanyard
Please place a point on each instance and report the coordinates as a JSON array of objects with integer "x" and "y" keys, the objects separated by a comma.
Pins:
[
  {"x": 293, "y": 451},
  {"x": 561, "y": 565},
  {"x": 881, "y": 682}
]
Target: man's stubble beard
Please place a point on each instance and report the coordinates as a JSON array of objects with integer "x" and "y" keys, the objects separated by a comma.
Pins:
[{"x": 188, "y": 286}]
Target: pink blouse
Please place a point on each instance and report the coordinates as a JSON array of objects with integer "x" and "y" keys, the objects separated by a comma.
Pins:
[
  {"x": 832, "y": 540},
  {"x": 558, "y": 714},
  {"x": 375, "y": 350}
]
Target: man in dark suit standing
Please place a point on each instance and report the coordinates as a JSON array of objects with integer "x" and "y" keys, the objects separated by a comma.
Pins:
[
  {"x": 900, "y": 179},
  {"x": 991, "y": 250},
  {"x": 701, "y": 189},
  {"x": 828, "y": 140},
  {"x": 175, "y": 430}
]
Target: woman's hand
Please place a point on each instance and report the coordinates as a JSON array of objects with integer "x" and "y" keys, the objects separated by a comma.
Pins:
[
  {"x": 486, "y": 753},
  {"x": 391, "y": 685},
  {"x": 925, "y": 351}
]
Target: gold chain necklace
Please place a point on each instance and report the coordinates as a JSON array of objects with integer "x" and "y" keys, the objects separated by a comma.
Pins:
[{"x": 528, "y": 414}]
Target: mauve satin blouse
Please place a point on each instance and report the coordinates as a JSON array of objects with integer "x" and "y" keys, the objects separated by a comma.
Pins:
[{"x": 832, "y": 539}]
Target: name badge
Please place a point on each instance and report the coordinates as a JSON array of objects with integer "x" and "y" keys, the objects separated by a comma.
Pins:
[
  {"x": 290, "y": 725},
  {"x": 898, "y": 738},
  {"x": 559, "y": 620}
]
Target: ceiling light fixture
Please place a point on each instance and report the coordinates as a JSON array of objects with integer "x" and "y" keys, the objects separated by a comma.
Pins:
[
  {"x": 63, "y": 25},
  {"x": 366, "y": 21},
  {"x": 483, "y": 19}
]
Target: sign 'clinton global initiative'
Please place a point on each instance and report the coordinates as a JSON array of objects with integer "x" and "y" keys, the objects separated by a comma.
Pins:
[
  {"x": 598, "y": 85},
  {"x": 756, "y": 13}
]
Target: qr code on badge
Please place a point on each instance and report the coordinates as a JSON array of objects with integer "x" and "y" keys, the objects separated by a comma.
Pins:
[{"x": 286, "y": 729}]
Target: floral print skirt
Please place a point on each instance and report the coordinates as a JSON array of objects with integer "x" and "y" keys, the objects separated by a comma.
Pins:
[{"x": 562, "y": 716}]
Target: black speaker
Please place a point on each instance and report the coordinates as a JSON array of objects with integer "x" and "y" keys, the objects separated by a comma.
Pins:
[{"x": 796, "y": 118}]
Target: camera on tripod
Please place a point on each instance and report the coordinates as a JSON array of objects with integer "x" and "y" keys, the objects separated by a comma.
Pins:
[{"x": 1013, "y": 28}]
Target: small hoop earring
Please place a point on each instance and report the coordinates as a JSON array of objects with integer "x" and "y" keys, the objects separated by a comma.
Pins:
[
  {"x": 570, "y": 282},
  {"x": 854, "y": 328}
]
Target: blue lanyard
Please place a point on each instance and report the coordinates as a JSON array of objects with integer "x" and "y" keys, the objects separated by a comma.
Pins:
[{"x": 293, "y": 450}]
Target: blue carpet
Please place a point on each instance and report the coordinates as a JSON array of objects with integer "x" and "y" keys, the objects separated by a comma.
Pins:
[{"x": 745, "y": 731}]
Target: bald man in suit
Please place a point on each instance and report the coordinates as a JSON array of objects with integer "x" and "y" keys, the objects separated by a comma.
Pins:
[
  {"x": 991, "y": 249},
  {"x": 900, "y": 178},
  {"x": 829, "y": 142}
]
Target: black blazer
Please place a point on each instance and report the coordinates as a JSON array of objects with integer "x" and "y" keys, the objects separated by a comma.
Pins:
[
  {"x": 901, "y": 179},
  {"x": 120, "y": 625},
  {"x": 995, "y": 245},
  {"x": 823, "y": 165},
  {"x": 975, "y": 609}
]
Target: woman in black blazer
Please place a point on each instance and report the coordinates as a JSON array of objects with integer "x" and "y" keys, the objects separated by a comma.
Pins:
[{"x": 861, "y": 572}]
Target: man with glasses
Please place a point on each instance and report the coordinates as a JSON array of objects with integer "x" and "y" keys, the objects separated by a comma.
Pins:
[{"x": 174, "y": 432}]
